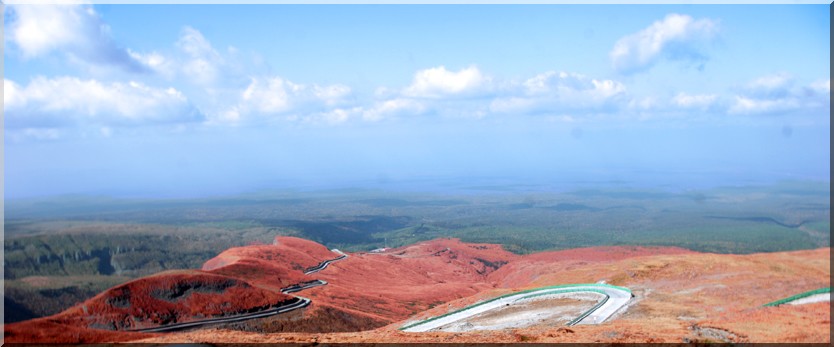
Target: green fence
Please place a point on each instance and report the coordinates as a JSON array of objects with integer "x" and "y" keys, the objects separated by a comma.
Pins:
[{"x": 799, "y": 296}]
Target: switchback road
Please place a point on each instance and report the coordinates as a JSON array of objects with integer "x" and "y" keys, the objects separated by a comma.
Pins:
[
  {"x": 613, "y": 298},
  {"x": 296, "y": 303}
]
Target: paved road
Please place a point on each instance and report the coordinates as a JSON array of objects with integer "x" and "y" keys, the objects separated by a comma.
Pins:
[
  {"x": 617, "y": 298},
  {"x": 303, "y": 285},
  {"x": 299, "y": 302},
  {"x": 614, "y": 298},
  {"x": 323, "y": 265}
]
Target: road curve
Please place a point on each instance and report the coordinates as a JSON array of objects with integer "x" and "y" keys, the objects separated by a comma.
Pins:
[
  {"x": 614, "y": 298},
  {"x": 303, "y": 285},
  {"x": 298, "y": 302},
  {"x": 323, "y": 265}
]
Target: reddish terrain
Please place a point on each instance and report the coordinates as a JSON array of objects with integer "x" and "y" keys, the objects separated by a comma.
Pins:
[{"x": 680, "y": 295}]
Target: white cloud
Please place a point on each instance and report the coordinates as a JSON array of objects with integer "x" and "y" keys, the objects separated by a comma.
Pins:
[
  {"x": 332, "y": 117},
  {"x": 332, "y": 94},
  {"x": 512, "y": 105},
  {"x": 270, "y": 95},
  {"x": 643, "y": 104},
  {"x": 433, "y": 90},
  {"x": 676, "y": 37},
  {"x": 821, "y": 87},
  {"x": 702, "y": 101},
  {"x": 770, "y": 82},
  {"x": 770, "y": 86},
  {"x": 566, "y": 85},
  {"x": 745, "y": 105},
  {"x": 68, "y": 101},
  {"x": 197, "y": 61},
  {"x": 11, "y": 94},
  {"x": 558, "y": 92},
  {"x": 338, "y": 115},
  {"x": 156, "y": 62},
  {"x": 469, "y": 93},
  {"x": 267, "y": 96},
  {"x": 203, "y": 64},
  {"x": 777, "y": 94},
  {"x": 40, "y": 29},
  {"x": 438, "y": 82},
  {"x": 76, "y": 30},
  {"x": 394, "y": 108}
]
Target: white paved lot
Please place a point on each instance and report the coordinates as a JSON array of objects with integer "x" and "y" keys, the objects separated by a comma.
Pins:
[
  {"x": 617, "y": 299},
  {"x": 811, "y": 299}
]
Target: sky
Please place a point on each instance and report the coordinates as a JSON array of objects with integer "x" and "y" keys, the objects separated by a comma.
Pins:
[{"x": 205, "y": 100}]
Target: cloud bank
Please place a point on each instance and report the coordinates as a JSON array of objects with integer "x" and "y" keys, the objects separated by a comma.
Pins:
[
  {"x": 219, "y": 87},
  {"x": 68, "y": 101}
]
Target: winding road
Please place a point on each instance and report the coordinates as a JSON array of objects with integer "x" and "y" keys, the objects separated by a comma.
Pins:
[
  {"x": 323, "y": 265},
  {"x": 303, "y": 285},
  {"x": 613, "y": 299},
  {"x": 296, "y": 303}
]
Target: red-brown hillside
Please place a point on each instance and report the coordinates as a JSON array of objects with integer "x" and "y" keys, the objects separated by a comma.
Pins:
[
  {"x": 400, "y": 282},
  {"x": 680, "y": 297},
  {"x": 273, "y": 266},
  {"x": 532, "y": 266},
  {"x": 680, "y": 294},
  {"x": 375, "y": 289},
  {"x": 165, "y": 298}
]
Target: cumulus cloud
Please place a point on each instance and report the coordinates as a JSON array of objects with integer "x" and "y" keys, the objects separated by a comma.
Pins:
[
  {"x": 778, "y": 94},
  {"x": 775, "y": 85},
  {"x": 438, "y": 82},
  {"x": 432, "y": 90},
  {"x": 644, "y": 104},
  {"x": 702, "y": 101},
  {"x": 747, "y": 105},
  {"x": 11, "y": 95},
  {"x": 69, "y": 101},
  {"x": 821, "y": 87},
  {"x": 76, "y": 30},
  {"x": 155, "y": 62},
  {"x": 469, "y": 93},
  {"x": 676, "y": 37},
  {"x": 559, "y": 92},
  {"x": 394, "y": 108},
  {"x": 203, "y": 64},
  {"x": 197, "y": 61},
  {"x": 338, "y": 115},
  {"x": 269, "y": 96},
  {"x": 566, "y": 85}
]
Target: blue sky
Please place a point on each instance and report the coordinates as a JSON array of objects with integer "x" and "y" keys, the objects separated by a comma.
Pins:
[{"x": 194, "y": 100}]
